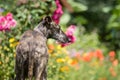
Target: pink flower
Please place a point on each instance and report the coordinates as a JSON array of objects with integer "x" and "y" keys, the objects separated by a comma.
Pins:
[
  {"x": 0, "y": 27},
  {"x": 6, "y": 22},
  {"x": 70, "y": 30},
  {"x": 9, "y": 16},
  {"x": 2, "y": 20},
  {"x": 13, "y": 23},
  {"x": 69, "y": 33},
  {"x": 58, "y": 12}
]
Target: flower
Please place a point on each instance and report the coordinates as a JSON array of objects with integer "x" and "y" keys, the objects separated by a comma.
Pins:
[
  {"x": 9, "y": 16},
  {"x": 112, "y": 53},
  {"x": 64, "y": 68},
  {"x": 14, "y": 55},
  {"x": 51, "y": 46},
  {"x": 103, "y": 78},
  {"x": 86, "y": 58},
  {"x": 14, "y": 44},
  {"x": 112, "y": 72},
  {"x": 74, "y": 62},
  {"x": 99, "y": 54},
  {"x": 58, "y": 12},
  {"x": 78, "y": 56},
  {"x": 60, "y": 60},
  {"x": 11, "y": 40},
  {"x": 1, "y": 10},
  {"x": 69, "y": 34},
  {"x": 70, "y": 30},
  {"x": 0, "y": 62},
  {"x": 115, "y": 62},
  {"x": 6, "y": 22}
]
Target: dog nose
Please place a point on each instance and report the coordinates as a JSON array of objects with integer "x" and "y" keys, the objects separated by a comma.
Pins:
[{"x": 69, "y": 40}]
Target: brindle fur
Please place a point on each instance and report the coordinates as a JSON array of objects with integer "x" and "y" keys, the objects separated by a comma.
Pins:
[{"x": 31, "y": 52}]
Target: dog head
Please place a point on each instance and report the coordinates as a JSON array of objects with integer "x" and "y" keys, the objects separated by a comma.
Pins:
[{"x": 53, "y": 30}]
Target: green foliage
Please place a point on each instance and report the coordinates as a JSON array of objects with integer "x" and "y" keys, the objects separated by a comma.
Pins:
[
  {"x": 78, "y": 7},
  {"x": 102, "y": 16},
  {"x": 96, "y": 20},
  {"x": 27, "y": 15}
]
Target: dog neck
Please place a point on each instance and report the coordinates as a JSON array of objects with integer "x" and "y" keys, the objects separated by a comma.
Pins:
[{"x": 41, "y": 29}]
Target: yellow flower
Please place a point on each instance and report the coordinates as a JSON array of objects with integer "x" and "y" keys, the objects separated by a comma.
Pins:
[
  {"x": 14, "y": 55},
  {"x": 60, "y": 60},
  {"x": 50, "y": 51},
  {"x": 0, "y": 62},
  {"x": 14, "y": 44},
  {"x": 69, "y": 60},
  {"x": 0, "y": 47},
  {"x": 6, "y": 48},
  {"x": 64, "y": 68},
  {"x": 11, "y": 40},
  {"x": 59, "y": 47},
  {"x": 11, "y": 45}
]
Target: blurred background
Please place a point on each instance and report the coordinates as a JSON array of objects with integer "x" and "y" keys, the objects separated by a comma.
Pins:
[{"x": 95, "y": 55}]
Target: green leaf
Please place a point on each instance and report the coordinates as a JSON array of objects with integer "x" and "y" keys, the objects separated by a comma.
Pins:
[
  {"x": 65, "y": 18},
  {"x": 78, "y": 7},
  {"x": 106, "y": 9}
]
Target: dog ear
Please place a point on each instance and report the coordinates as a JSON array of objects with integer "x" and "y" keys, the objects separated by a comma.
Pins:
[{"x": 48, "y": 19}]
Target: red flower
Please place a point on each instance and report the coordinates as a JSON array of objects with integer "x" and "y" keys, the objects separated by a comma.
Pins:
[
  {"x": 112, "y": 53},
  {"x": 99, "y": 54}
]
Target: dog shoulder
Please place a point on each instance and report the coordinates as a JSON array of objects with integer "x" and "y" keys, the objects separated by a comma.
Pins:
[
  {"x": 25, "y": 38},
  {"x": 27, "y": 34}
]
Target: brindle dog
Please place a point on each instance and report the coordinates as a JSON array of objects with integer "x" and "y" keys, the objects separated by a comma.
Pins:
[{"x": 31, "y": 52}]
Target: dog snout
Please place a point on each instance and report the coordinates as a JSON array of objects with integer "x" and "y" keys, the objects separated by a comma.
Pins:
[{"x": 69, "y": 40}]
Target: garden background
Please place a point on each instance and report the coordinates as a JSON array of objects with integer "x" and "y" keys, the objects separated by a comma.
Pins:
[{"x": 95, "y": 51}]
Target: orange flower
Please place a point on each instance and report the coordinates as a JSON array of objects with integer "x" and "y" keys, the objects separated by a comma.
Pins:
[
  {"x": 74, "y": 62},
  {"x": 112, "y": 71},
  {"x": 78, "y": 56},
  {"x": 50, "y": 46},
  {"x": 103, "y": 78},
  {"x": 87, "y": 58},
  {"x": 50, "y": 51},
  {"x": 115, "y": 62},
  {"x": 99, "y": 54},
  {"x": 91, "y": 54},
  {"x": 112, "y": 53}
]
